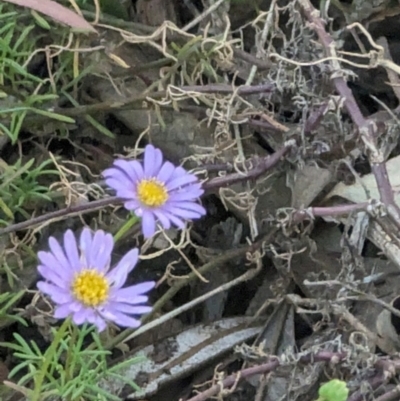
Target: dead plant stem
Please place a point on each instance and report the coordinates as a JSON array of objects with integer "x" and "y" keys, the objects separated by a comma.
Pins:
[
  {"x": 259, "y": 168},
  {"x": 323, "y": 356},
  {"x": 366, "y": 128},
  {"x": 62, "y": 214},
  {"x": 392, "y": 395},
  {"x": 312, "y": 212},
  {"x": 136, "y": 102}
]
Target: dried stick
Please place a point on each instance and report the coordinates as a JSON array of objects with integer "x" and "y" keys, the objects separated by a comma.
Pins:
[
  {"x": 260, "y": 167},
  {"x": 392, "y": 395},
  {"x": 136, "y": 102},
  {"x": 392, "y": 75},
  {"x": 374, "y": 383},
  {"x": 312, "y": 212},
  {"x": 323, "y": 356},
  {"x": 62, "y": 214},
  {"x": 366, "y": 127},
  {"x": 386, "y": 369}
]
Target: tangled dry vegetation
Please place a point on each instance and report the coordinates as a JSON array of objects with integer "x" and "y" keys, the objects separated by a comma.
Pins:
[{"x": 288, "y": 112}]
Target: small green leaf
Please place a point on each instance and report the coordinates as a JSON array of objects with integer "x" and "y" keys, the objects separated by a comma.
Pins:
[
  {"x": 99, "y": 127},
  {"x": 7, "y": 211},
  {"x": 40, "y": 20},
  {"x": 54, "y": 116},
  {"x": 334, "y": 390}
]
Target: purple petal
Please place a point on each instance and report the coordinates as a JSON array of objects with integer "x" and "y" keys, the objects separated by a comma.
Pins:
[
  {"x": 100, "y": 252},
  {"x": 50, "y": 275},
  {"x": 183, "y": 213},
  {"x": 75, "y": 306},
  {"x": 49, "y": 260},
  {"x": 158, "y": 162},
  {"x": 122, "y": 189},
  {"x": 129, "y": 299},
  {"x": 99, "y": 322},
  {"x": 59, "y": 253},
  {"x": 178, "y": 172},
  {"x": 115, "y": 172},
  {"x": 132, "y": 204},
  {"x": 71, "y": 249},
  {"x": 118, "y": 275},
  {"x": 62, "y": 311},
  {"x": 104, "y": 256},
  {"x": 177, "y": 196},
  {"x": 148, "y": 160},
  {"x": 176, "y": 221},
  {"x": 129, "y": 309},
  {"x": 126, "y": 193},
  {"x": 91, "y": 253},
  {"x": 85, "y": 244},
  {"x": 152, "y": 161},
  {"x": 148, "y": 224},
  {"x": 135, "y": 170},
  {"x": 165, "y": 222},
  {"x": 82, "y": 315},
  {"x": 166, "y": 172},
  {"x": 133, "y": 291},
  {"x": 181, "y": 181},
  {"x": 119, "y": 176},
  {"x": 57, "y": 294},
  {"x": 139, "y": 211},
  {"x": 192, "y": 206},
  {"x": 129, "y": 170},
  {"x": 121, "y": 319}
]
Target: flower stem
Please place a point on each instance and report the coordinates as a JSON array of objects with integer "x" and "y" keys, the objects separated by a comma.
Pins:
[
  {"x": 48, "y": 358},
  {"x": 125, "y": 228},
  {"x": 68, "y": 362}
]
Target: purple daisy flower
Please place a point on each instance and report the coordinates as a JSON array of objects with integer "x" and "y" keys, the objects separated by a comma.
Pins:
[
  {"x": 156, "y": 191},
  {"x": 79, "y": 281}
]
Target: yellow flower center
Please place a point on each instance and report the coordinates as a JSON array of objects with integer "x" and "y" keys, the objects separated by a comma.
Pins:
[
  {"x": 90, "y": 287},
  {"x": 152, "y": 192}
]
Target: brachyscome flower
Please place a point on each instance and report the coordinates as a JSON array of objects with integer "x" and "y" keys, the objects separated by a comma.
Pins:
[
  {"x": 78, "y": 279},
  {"x": 156, "y": 191}
]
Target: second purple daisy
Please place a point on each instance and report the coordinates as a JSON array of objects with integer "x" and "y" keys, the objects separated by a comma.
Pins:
[
  {"x": 156, "y": 190},
  {"x": 78, "y": 277}
]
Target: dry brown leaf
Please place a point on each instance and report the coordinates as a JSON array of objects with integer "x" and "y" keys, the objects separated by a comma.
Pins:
[
  {"x": 178, "y": 356},
  {"x": 356, "y": 192},
  {"x": 57, "y": 12}
]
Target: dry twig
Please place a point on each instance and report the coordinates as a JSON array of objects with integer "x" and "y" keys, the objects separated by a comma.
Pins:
[{"x": 366, "y": 128}]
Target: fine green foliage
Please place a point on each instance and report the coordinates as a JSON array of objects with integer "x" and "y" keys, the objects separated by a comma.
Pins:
[
  {"x": 17, "y": 84},
  {"x": 20, "y": 186},
  {"x": 7, "y": 301},
  {"x": 334, "y": 390},
  {"x": 22, "y": 92},
  {"x": 69, "y": 368}
]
